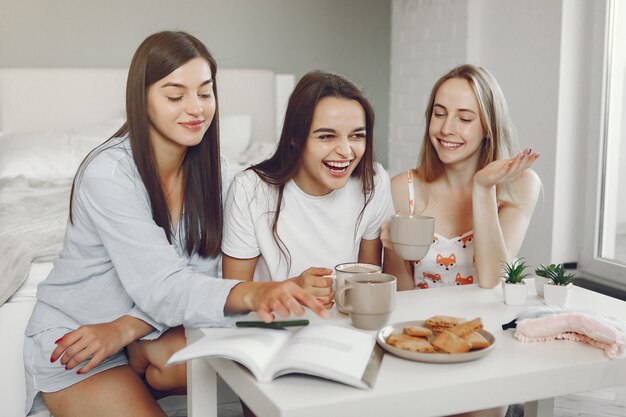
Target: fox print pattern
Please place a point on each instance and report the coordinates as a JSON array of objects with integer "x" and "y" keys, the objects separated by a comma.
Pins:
[
  {"x": 450, "y": 261},
  {"x": 446, "y": 263},
  {"x": 466, "y": 239},
  {"x": 459, "y": 280}
]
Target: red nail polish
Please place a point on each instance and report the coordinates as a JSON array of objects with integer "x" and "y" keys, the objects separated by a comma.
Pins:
[
  {"x": 78, "y": 372},
  {"x": 57, "y": 342},
  {"x": 51, "y": 359}
]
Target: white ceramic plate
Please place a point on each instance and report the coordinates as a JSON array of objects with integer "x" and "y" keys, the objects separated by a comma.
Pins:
[{"x": 431, "y": 357}]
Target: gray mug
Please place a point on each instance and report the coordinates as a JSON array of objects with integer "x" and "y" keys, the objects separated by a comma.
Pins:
[
  {"x": 411, "y": 236},
  {"x": 369, "y": 299},
  {"x": 347, "y": 269}
]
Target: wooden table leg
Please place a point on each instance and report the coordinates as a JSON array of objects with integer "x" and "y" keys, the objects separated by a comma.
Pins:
[{"x": 540, "y": 408}]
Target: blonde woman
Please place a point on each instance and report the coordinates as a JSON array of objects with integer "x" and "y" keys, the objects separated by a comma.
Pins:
[{"x": 481, "y": 192}]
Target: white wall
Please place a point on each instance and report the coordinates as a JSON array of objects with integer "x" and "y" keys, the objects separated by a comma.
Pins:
[
  {"x": 428, "y": 38},
  {"x": 350, "y": 37},
  {"x": 520, "y": 43},
  {"x": 573, "y": 129}
]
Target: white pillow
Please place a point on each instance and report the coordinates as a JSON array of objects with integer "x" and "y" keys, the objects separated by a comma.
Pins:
[
  {"x": 257, "y": 152},
  {"x": 50, "y": 155},
  {"x": 235, "y": 133}
]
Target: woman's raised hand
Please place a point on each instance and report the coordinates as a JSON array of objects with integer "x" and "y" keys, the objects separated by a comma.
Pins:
[
  {"x": 318, "y": 283},
  {"x": 504, "y": 170}
]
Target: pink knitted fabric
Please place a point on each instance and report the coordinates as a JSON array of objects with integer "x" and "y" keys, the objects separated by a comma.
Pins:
[{"x": 578, "y": 327}]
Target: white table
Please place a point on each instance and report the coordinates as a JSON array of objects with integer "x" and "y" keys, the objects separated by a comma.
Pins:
[{"x": 513, "y": 372}]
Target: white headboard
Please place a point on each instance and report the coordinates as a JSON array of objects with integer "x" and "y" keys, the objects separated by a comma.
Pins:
[{"x": 60, "y": 98}]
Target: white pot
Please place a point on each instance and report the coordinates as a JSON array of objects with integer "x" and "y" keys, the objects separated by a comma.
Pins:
[
  {"x": 556, "y": 295},
  {"x": 539, "y": 283},
  {"x": 514, "y": 294}
]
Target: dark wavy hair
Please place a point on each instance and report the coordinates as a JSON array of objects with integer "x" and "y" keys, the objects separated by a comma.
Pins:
[
  {"x": 158, "y": 56},
  {"x": 283, "y": 165}
]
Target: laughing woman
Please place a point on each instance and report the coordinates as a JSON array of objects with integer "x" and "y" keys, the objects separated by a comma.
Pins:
[{"x": 319, "y": 200}]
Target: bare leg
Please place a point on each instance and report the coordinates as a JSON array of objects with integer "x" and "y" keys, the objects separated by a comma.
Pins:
[
  {"x": 148, "y": 358},
  {"x": 490, "y": 412},
  {"x": 115, "y": 392}
]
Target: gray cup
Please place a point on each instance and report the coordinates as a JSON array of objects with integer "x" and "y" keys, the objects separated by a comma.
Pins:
[
  {"x": 369, "y": 299},
  {"x": 345, "y": 270},
  {"x": 412, "y": 236}
]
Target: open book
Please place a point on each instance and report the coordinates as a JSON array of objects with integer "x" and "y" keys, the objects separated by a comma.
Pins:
[{"x": 337, "y": 353}]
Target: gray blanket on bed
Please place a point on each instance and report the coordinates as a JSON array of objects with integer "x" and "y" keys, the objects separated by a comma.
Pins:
[{"x": 33, "y": 216}]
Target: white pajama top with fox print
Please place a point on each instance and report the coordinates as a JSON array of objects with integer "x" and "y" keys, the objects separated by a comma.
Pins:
[{"x": 450, "y": 261}]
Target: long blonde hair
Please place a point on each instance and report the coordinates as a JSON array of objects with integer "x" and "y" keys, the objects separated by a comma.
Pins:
[{"x": 500, "y": 141}]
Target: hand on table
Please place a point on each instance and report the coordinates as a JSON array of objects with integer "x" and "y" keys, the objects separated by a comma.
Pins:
[{"x": 284, "y": 298}]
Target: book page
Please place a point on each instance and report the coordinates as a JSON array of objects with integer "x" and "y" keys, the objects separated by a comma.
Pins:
[
  {"x": 254, "y": 348},
  {"x": 332, "y": 352}
]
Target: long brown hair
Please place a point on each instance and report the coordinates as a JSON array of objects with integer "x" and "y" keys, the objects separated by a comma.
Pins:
[
  {"x": 157, "y": 56},
  {"x": 501, "y": 139},
  {"x": 283, "y": 165}
]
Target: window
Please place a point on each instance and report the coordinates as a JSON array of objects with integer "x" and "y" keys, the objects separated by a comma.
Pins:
[{"x": 604, "y": 246}]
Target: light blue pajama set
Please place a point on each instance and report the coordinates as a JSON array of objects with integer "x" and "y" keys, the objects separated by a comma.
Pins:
[{"x": 116, "y": 261}]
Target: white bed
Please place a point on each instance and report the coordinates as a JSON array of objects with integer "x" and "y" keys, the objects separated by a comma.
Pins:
[{"x": 49, "y": 119}]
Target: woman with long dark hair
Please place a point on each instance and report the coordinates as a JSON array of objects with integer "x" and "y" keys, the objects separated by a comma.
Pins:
[
  {"x": 319, "y": 200},
  {"x": 142, "y": 247}
]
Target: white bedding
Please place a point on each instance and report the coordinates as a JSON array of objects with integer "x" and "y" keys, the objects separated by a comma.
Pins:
[
  {"x": 28, "y": 290},
  {"x": 33, "y": 215}
]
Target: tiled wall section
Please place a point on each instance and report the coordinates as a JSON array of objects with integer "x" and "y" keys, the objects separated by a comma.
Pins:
[{"x": 428, "y": 38}]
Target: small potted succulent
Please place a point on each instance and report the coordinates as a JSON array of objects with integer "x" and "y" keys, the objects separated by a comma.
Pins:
[
  {"x": 513, "y": 284},
  {"x": 556, "y": 290},
  {"x": 541, "y": 277}
]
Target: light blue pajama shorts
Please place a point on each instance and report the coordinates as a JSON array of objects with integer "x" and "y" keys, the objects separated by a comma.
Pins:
[{"x": 43, "y": 376}]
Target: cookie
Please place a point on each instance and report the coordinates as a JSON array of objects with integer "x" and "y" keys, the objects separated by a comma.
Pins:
[
  {"x": 416, "y": 345},
  {"x": 410, "y": 343},
  {"x": 443, "y": 321},
  {"x": 451, "y": 343},
  {"x": 467, "y": 327},
  {"x": 418, "y": 331},
  {"x": 477, "y": 340},
  {"x": 395, "y": 338}
]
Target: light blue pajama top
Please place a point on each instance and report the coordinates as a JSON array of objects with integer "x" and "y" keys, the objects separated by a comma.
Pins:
[{"x": 116, "y": 261}]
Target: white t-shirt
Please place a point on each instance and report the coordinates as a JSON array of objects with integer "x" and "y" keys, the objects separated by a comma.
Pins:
[{"x": 318, "y": 231}]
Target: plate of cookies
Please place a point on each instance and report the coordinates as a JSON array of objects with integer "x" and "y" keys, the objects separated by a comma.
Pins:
[{"x": 438, "y": 339}]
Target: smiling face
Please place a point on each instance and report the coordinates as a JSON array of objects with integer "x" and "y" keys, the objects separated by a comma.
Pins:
[
  {"x": 455, "y": 128},
  {"x": 181, "y": 105},
  {"x": 335, "y": 145}
]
